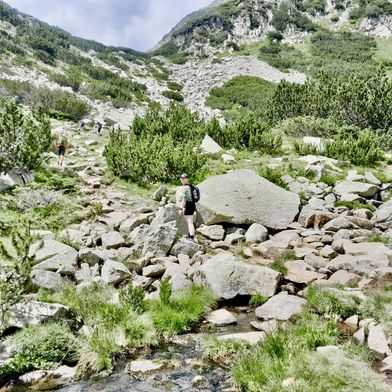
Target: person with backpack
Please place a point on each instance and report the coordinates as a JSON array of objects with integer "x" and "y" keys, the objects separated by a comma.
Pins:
[
  {"x": 99, "y": 128},
  {"x": 61, "y": 145},
  {"x": 188, "y": 196}
]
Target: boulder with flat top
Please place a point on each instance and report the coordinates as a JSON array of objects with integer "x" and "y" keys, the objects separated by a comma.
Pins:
[{"x": 242, "y": 197}]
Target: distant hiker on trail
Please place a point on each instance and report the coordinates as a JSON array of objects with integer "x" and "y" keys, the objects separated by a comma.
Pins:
[
  {"x": 187, "y": 197},
  {"x": 61, "y": 145},
  {"x": 98, "y": 126},
  {"x": 82, "y": 125}
]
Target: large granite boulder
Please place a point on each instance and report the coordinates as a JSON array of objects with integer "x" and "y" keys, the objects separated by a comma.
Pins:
[
  {"x": 280, "y": 307},
  {"x": 359, "y": 188},
  {"x": 228, "y": 277},
  {"x": 243, "y": 197},
  {"x": 169, "y": 214},
  {"x": 157, "y": 239},
  {"x": 27, "y": 313}
]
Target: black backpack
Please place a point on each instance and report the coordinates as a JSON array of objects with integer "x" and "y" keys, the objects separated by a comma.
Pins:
[{"x": 195, "y": 192}]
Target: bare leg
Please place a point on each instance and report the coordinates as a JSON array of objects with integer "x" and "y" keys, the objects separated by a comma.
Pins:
[{"x": 191, "y": 225}]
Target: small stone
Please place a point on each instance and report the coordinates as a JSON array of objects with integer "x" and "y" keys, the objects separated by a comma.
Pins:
[
  {"x": 221, "y": 317},
  {"x": 353, "y": 320},
  {"x": 154, "y": 271},
  {"x": 252, "y": 338},
  {"x": 213, "y": 232},
  {"x": 268, "y": 327},
  {"x": 386, "y": 365},
  {"x": 360, "y": 336},
  {"x": 112, "y": 240},
  {"x": 256, "y": 233},
  {"x": 144, "y": 366}
]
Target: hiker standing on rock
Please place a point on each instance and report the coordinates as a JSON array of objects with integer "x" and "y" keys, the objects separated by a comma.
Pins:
[
  {"x": 99, "y": 128},
  {"x": 187, "y": 196},
  {"x": 61, "y": 145}
]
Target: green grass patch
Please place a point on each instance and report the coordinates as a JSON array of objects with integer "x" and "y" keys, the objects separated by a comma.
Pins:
[
  {"x": 331, "y": 301},
  {"x": 179, "y": 315},
  {"x": 355, "y": 205},
  {"x": 223, "y": 352}
]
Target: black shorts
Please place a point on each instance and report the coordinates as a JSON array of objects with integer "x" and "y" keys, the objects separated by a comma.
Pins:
[
  {"x": 61, "y": 150},
  {"x": 190, "y": 208}
]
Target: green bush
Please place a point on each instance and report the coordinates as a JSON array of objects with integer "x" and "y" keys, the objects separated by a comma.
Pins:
[
  {"x": 249, "y": 92},
  {"x": 24, "y": 137},
  {"x": 127, "y": 157},
  {"x": 71, "y": 79},
  {"x": 40, "y": 347},
  {"x": 301, "y": 148},
  {"x": 308, "y": 126},
  {"x": 174, "y": 86},
  {"x": 357, "y": 101},
  {"x": 362, "y": 149},
  {"x": 287, "y": 14},
  {"x": 173, "y": 95}
]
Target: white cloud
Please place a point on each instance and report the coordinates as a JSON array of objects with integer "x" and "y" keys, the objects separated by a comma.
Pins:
[{"x": 138, "y": 24}]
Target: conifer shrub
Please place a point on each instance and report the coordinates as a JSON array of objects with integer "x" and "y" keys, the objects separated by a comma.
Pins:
[
  {"x": 361, "y": 149},
  {"x": 149, "y": 159},
  {"x": 40, "y": 347},
  {"x": 24, "y": 137},
  {"x": 173, "y": 95}
]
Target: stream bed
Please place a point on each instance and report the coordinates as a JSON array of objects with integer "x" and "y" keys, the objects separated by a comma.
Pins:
[{"x": 186, "y": 370}]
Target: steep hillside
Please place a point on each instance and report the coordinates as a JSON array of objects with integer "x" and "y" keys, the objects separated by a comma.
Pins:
[{"x": 227, "y": 25}]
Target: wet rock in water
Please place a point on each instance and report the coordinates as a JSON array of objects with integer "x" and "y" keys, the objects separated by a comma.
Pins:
[
  {"x": 252, "y": 338},
  {"x": 27, "y": 313},
  {"x": 280, "y": 307},
  {"x": 214, "y": 232},
  {"x": 268, "y": 327},
  {"x": 221, "y": 317},
  {"x": 114, "y": 272},
  {"x": 44, "y": 380},
  {"x": 377, "y": 342},
  {"x": 228, "y": 277},
  {"x": 143, "y": 366},
  {"x": 240, "y": 197},
  {"x": 112, "y": 240}
]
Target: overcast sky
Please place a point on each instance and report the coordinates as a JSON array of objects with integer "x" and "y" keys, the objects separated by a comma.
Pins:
[{"x": 137, "y": 24}]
